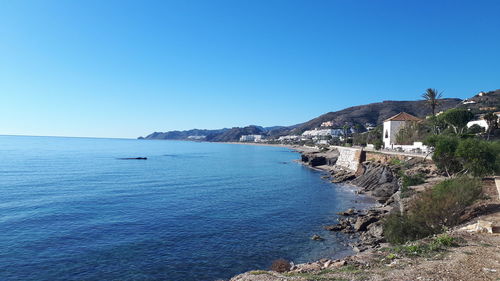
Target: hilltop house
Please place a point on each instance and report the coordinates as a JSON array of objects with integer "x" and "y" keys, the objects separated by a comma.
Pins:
[{"x": 393, "y": 125}]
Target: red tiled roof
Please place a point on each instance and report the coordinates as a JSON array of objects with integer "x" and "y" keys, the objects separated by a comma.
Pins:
[{"x": 403, "y": 116}]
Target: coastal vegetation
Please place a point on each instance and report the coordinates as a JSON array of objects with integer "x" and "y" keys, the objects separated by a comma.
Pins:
[
  {"x": 408, "y": 180},
  {"x": 457, "y": 156},
  {"x": 422, "y": 248},
  {"x": 460, "y": 153},
  {"x": 433, "y": 210}
]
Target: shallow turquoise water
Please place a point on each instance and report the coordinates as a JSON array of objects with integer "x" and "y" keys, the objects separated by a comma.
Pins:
[{"x": 70, "y": 210}]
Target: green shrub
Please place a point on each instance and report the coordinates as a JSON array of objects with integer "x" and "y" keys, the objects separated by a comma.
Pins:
[
  {"x": 433, "y": 210},
  {"x": 395, "y": 161},
  {"x": 477, "y": 157},
  {"x": 399, "y": 229},
  {"x": 443, "y": 241},
  {"x": 454, "y": 155},
  {"x": 475, "y": 129},
  {"x": 411, "y": 180},
  {"x": 422, "y": 248},
  {"x": 444, "y": 153}
]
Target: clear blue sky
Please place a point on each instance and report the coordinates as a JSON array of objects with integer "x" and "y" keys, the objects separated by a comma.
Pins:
[{"x": 128, "y": 68}]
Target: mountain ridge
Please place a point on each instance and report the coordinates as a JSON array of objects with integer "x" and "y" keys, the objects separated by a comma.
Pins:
[{"x": 372, "y": 113}]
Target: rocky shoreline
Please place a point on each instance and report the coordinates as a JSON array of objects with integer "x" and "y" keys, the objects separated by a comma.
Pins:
[{"x": 376, "y": 179}]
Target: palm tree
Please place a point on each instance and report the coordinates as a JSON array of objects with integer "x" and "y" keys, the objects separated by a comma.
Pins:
[
  {"x": 432, "y": 97},
  {"x": 492, "y": 121},
  {"x": 345, "y": 128}
]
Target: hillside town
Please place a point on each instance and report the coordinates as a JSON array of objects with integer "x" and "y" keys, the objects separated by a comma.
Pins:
[{"x": 393, "y": 133}]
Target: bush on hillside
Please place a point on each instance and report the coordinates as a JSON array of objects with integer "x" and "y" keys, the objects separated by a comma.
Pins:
[
  {"x": 478, "y": 157},
  {"x": 433, "y": 210},
  {"x": 281, "y": 265},
  {"x": 399, "y": 229},
  {"x": 409, "y": 180}
]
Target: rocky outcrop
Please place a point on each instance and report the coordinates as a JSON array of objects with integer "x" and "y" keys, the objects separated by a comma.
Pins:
[
  {"x": 317, "y": 158},
  {"x": 339, "y": 175},
  {"x": 375, "y": 179},
  {"x": 378, "y": 180}
]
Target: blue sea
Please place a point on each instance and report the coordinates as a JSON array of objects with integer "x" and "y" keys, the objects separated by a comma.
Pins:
[{"x": 70, "y": 209}]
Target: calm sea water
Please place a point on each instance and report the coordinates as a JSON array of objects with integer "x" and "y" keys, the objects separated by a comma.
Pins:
[{"x": 70, "y": 210}]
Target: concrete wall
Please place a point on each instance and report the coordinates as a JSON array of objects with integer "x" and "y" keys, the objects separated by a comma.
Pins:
[{"x": 349, "y": 158}]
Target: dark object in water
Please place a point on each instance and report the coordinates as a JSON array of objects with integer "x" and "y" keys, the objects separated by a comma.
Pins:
[{"x": 134, "y": 158}]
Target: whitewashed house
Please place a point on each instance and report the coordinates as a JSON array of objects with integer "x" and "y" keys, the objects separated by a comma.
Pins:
[{"x": 393, "y": 125}]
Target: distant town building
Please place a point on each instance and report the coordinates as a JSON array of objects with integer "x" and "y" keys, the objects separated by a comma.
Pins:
[
  {"x": 369, "y": 126},
  {"x": 468, "y": 102},
  {"x": 251, "y": 138},
  {"x": 196, "y": 137},
  {"x": 327, "y": 124},
  {"x": 322, "y": 132},
  {"x": 289, "y": 138},
  {"x": 393, "y": 125}
]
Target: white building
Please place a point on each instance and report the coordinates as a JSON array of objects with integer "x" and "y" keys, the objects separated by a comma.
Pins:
[
  {"x": 481, "y": 122},
  {"x": 322, "y": 132},
  {"x": 327, "y": 124},
  {"x": 289, "y": 138},
  {"x": 393, "y": 125},
  {"x": 251, "y": 138}
]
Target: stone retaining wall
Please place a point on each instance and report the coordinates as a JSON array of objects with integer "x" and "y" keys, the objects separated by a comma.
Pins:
[{"x": 350, "y": 158}]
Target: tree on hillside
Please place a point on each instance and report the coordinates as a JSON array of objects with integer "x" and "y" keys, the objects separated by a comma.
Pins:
[
  {"x": 457, "y": 156},
  {"x": 478, "y": 157},
  {"x": 432, "y": 97},
  {"x": 457, "y": 118},
  {"x": 444, "y": 153},
  {"x": 492, "y": 120},
  {"x": 413, "y": 131}
]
